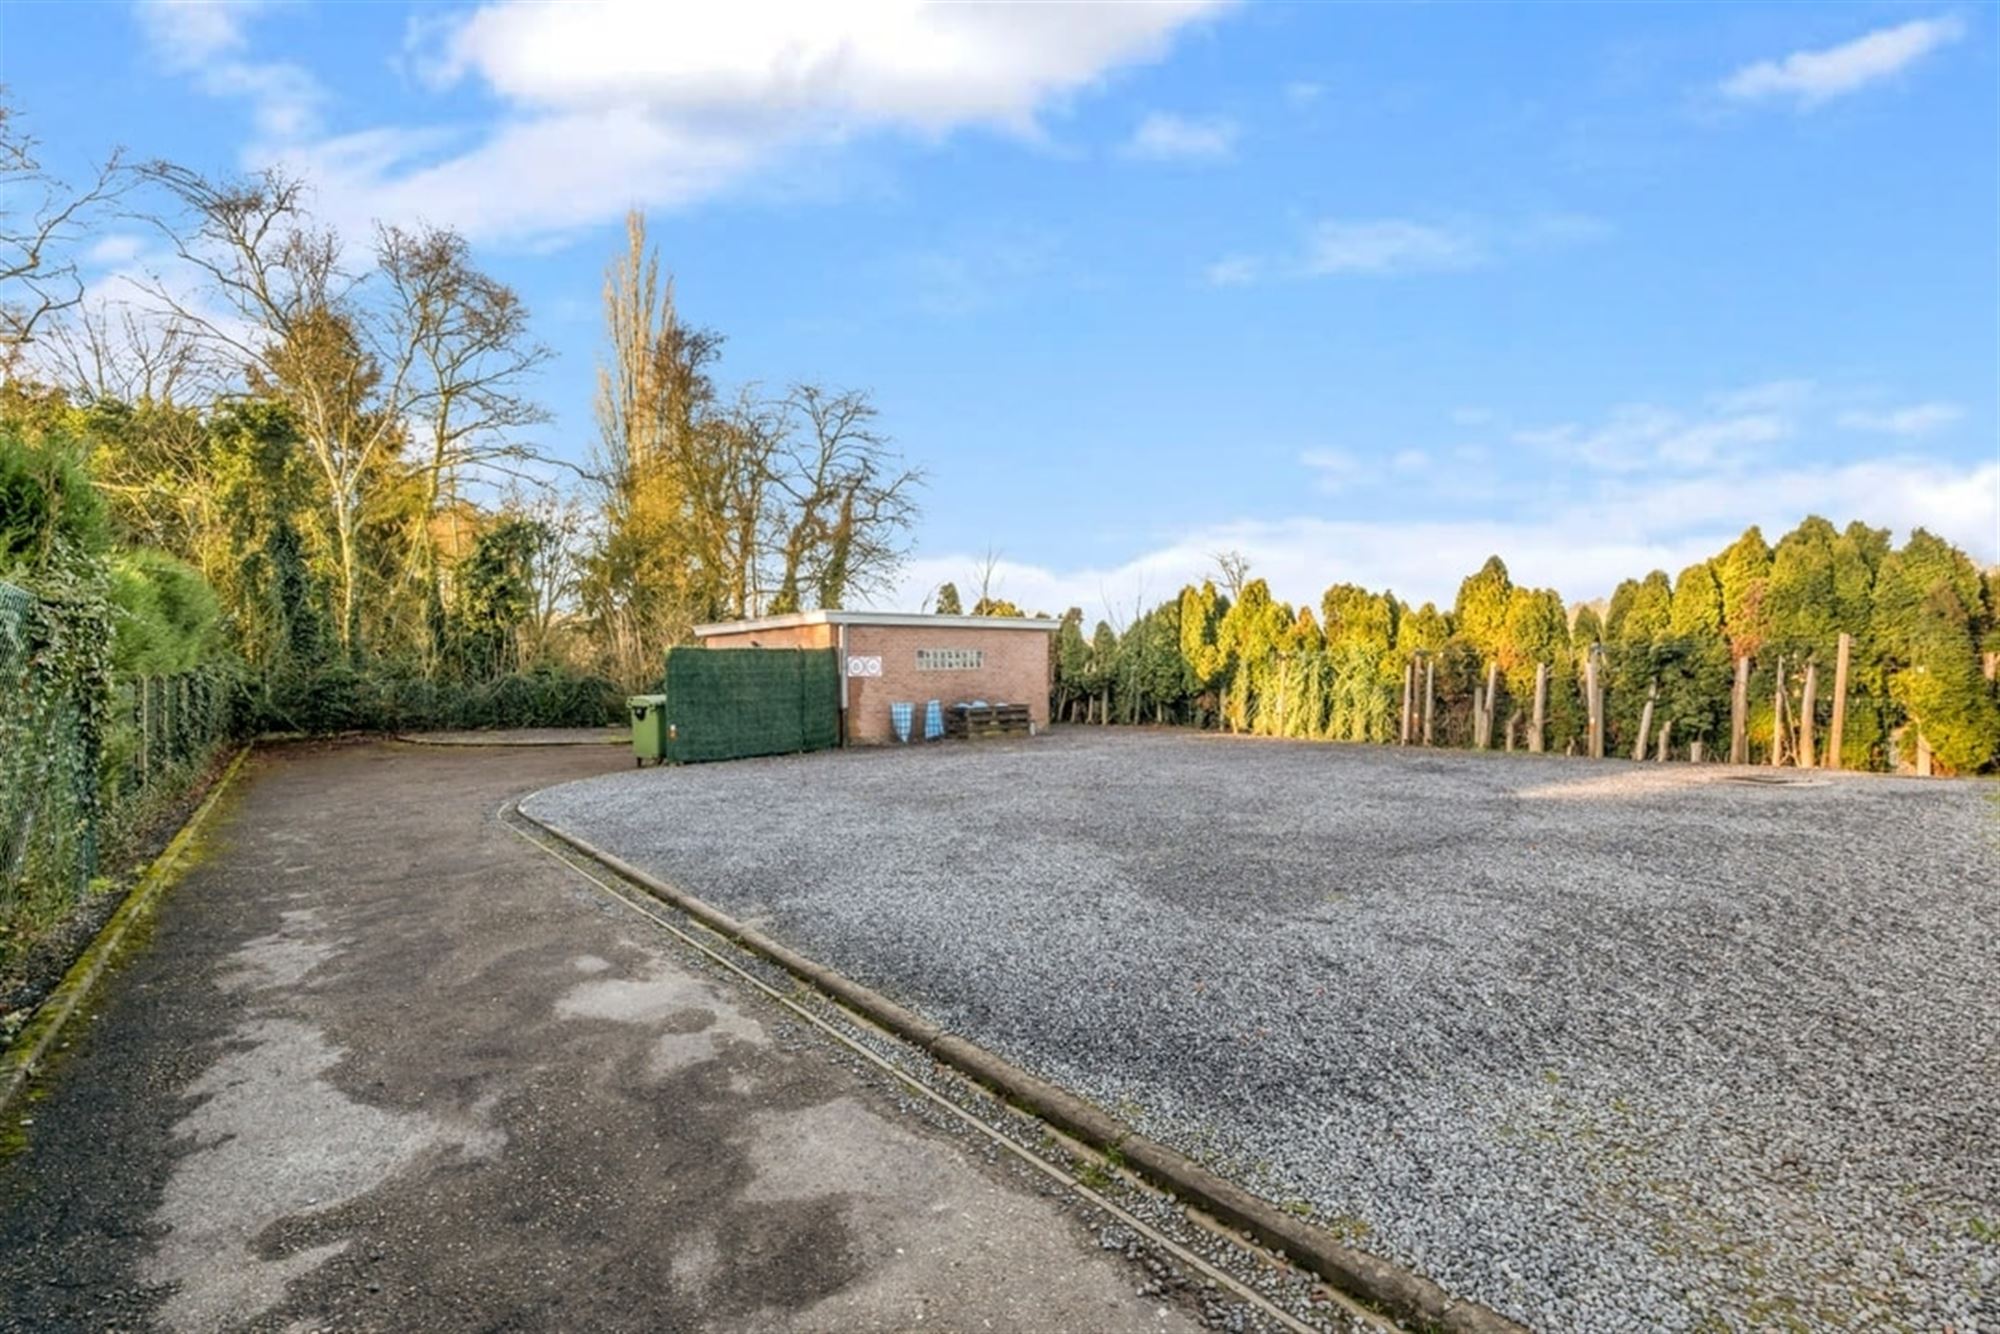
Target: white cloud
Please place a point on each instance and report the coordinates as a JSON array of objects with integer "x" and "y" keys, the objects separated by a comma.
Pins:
[
  {"x": 1917, "y": 419},
  {"x": 934, "y": 66},
  {"x": 205, "y": 40},
  {"x": 1639, "y": 437},
  {"x": 1770, "y": 396},
  {"x": 1234, "y": 270},
  {"x": 115, "y": 248},
  {"x": 189, "y": 32},
  {"x": 1165, "y": 137},
  {"x": 1813, "y": 77},
  {"x": 1646, "y": 488},
  {"x": 1335, "y": 469},
  {"x": 1704, "y": 442},
  {"x": 1583, "y": 544},
  {"x": 623, "y": 102},
  {"x": 1387, "y": 246},
  {"x": 1340, "y": 247},
  {"x": 1302, "y": 93}
]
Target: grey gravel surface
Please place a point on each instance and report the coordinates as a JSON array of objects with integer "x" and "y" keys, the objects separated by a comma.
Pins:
[{"x": 1606, "y": 1046}]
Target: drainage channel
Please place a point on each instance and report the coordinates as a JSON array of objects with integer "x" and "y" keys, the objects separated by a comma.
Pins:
[{"x": 1343, "y": 1311}]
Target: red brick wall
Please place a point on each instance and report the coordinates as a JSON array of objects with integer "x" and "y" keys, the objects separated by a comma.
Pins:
[{"x": 1014, "y": 670}]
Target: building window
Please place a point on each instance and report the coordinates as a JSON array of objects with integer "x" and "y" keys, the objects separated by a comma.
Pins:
[{"x": 950, "y": 659}]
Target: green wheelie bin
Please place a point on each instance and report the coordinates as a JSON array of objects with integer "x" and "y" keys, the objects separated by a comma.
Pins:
[{"x": 649, "y": 728}]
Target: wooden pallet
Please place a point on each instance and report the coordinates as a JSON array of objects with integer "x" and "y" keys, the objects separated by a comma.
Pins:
[{"x": 987, "y": 720}]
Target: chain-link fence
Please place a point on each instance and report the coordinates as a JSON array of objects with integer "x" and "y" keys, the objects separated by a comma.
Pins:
[
  {"x": 161, "y": 724},
  {"x": 79, "y": 771},
  {"x": 48, "y": 780}
]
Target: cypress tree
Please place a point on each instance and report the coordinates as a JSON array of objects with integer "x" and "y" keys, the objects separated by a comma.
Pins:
[{"x": 1928, "y": 602}]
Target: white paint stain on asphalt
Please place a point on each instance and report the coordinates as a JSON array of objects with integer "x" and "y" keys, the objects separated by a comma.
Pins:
[
  {"x": 275, "y": 1139},
  {"x": 695, "y": 1014},
  {"x": 281, "y": 959}
]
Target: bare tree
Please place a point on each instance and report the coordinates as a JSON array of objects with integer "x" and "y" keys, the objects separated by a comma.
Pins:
[
  {"x": 985, "y": 578},
  {"x": 40, "y": 217},
  {"x": 653, "y": 381},
  {"x": 1232, "y": 569},
  {"x": 110, "y": 351},
  {"x": 417, "y": 343},
  {"x": 287, "y": 311},
  {"x": 471, "y": 350},
  {"x": 846, "y": 501},
  {"x": 720, "y": 508},
  {"x": 557, "y": 569},
  {"x": 648, "y": 580}
]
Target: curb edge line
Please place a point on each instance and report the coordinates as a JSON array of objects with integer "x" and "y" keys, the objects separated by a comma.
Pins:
[
  {"x": 23, "y": 1057},
  {"x": 1400, "y": 1291}
]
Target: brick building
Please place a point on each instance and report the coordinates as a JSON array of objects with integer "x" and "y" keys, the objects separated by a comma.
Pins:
[{"x": 902, "y": 657}]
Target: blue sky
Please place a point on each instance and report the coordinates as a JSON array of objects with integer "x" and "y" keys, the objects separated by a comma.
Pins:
[{"x": 1365, "y": 291}]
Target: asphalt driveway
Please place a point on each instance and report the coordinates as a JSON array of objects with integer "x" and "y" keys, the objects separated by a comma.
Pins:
[{"x": 384, "y": 1065}]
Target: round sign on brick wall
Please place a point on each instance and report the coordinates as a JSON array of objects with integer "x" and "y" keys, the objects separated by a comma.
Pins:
[{"x": 864, "y": 666}]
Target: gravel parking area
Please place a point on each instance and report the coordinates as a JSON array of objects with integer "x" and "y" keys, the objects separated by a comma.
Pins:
[{"x": 1606, "y": 1046}]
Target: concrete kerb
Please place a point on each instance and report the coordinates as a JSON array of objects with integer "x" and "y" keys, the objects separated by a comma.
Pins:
[
  {"x": 504, "y": 741},
  {"x": 1402, "y": 1293},
  {"x": 24, "y": 1056}
]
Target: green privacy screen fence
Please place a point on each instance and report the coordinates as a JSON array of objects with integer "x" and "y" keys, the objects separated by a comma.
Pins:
[{"x": 729, "y": 703}]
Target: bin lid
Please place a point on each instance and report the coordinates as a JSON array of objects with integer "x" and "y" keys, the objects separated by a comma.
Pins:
[{"x": 642, "y": 701}]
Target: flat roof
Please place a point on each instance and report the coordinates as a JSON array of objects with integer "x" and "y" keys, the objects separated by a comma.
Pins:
[{"x": 915, "y": 619}]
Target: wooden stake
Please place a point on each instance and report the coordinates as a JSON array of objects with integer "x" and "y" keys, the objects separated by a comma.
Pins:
[
  {"x": 1538, "y": 722},
  {"x": 1739, "y": 714},
  {"x": 1666, "y": 733},
  {"x": 1695, "y": 749},
  {"x": 1478, "y": 718},
  {"x": 1833, "y": 734},
  {"x": 1778, "y": 717},
  {"x": 1646, "y": 722},
  {"x": 1806, "y": 716},
  {"x": 1430, "y": 695},
  {"x": 1492, "y": 697},
  {"x": 1409, "y": 678},
  {"x": 1923, "y": 756},
  {"x": 1593, "y": 699}
]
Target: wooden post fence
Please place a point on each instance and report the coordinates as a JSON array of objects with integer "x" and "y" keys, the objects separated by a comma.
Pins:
[
  {"x": 1645, "y": 722},
  {"x": 1492, "y": 697},
  {"x": 1430, "y": 695},
  {"x": 1739, "y": 715},
  {"x": 1839, "y": 725},
  {"x": 1806, "y": 719},
  {"x": 1538, "y": 720},
  {"x": 1778, "y": 716},
  {"x": 1666, "y": 734},
  {"x": 1593, "y": 698},
  {"x": 1409, "y": 702}
]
